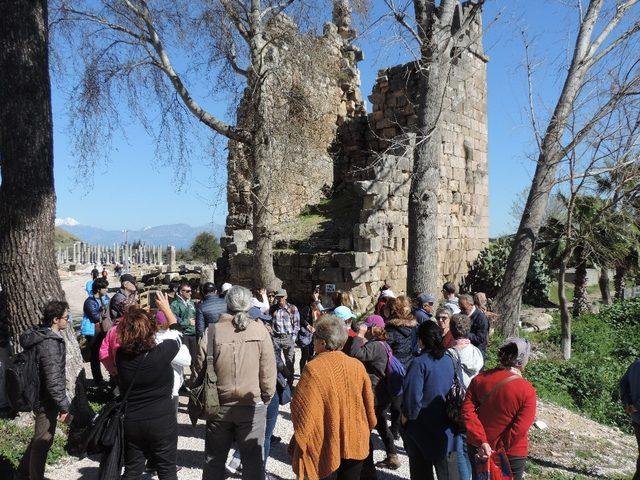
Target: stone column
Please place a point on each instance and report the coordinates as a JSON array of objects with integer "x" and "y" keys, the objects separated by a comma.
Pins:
[{"x": 171, "y": 252}]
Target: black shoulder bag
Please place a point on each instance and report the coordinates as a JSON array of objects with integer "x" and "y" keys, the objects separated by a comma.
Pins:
[
  {"x": 455, "y": 397},
  {"x": 108, "y": 426}
]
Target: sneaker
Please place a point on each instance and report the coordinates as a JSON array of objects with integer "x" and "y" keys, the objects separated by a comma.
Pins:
[{"x": 392, "y": 462}]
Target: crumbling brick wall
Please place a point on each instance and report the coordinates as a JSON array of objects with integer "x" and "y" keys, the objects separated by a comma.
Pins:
[{"x": 373, "y": 154}]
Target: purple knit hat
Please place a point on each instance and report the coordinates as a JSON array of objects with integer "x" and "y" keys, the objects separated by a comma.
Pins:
[{"x": 374, "y": 321}]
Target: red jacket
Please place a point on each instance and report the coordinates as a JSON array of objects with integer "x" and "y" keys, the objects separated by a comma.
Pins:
[{"x": 505, "y": 417}]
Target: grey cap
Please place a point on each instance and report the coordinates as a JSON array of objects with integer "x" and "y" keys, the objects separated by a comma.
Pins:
[
  {"x": 524, "y": 349},
  {"x": 281, "y": 293},
  {"x": 426, "y": 298}
]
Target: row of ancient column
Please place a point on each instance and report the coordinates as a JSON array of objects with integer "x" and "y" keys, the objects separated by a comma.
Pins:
[{"x": 84, "y": 253}]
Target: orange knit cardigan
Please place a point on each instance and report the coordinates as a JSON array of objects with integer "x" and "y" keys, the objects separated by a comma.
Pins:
[{"x": 333, "y": 415}]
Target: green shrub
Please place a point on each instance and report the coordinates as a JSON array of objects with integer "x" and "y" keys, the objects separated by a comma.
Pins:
[
  {"x": 487, "y": 272},
  {"x": 604, "y": 345}
]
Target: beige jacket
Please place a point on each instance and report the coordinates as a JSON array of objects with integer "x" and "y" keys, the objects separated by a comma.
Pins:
[{"x": 244, "y": 362}]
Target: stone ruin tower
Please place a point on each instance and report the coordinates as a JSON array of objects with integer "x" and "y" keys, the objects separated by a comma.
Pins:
[{"x": 341, "y": 209}]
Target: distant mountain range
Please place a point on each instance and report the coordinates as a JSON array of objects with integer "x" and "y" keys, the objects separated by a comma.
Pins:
[{"x": 180, "y": 235}]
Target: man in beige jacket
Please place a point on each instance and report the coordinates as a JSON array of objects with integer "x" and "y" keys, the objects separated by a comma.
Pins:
[{"x": 245, "y": 365}]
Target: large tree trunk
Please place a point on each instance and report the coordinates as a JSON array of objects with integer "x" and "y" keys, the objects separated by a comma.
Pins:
[
  {"x": 565, "y": 315},
  {"x": 605, "y": 285},
  {"x": 580, "y": 299},
  {"x": 507, "y": 301},
  {"x": 261, "y": 154},
  {"x": 423, "y": 262},
  {"x": 435, "y": 31},
  {"x": 28, "y": 271}
]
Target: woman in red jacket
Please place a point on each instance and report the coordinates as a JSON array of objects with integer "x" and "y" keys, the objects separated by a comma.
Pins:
[{"x": 500, "y": 407}]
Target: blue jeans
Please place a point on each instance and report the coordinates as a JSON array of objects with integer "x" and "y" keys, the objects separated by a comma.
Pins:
[
  {"x": 272, "y": 416},
  {"x": 462, "y": 456}
]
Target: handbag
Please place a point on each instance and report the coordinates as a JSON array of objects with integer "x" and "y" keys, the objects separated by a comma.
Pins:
[
  {"x": 87, "y": 327},
  {"x": 455, "y": 398},
  {"x": 204, "y": 402},
  {"x": 107, "y": 428}
]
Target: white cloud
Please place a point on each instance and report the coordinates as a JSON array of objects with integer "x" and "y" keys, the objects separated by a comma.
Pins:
[{"x": 68, "y": 222}]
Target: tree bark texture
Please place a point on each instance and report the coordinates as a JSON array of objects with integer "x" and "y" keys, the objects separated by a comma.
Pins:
[
  {"x": 619, "y": 281},
  {"x": 434, "y": 29},
  {"x": 565, "y": 315},
  {"x": 260, "y": 156},
  {"x": 28, "y": 270},
  {"x": 508, "y": 299},
  {"x": 580, "y": 299},
  {"x": 605, "y": 286}
]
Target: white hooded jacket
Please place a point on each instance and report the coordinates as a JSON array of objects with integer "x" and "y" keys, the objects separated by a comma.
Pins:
[
  {"x": 470, "y": 358},
  {"x": 181, "y": 360}
]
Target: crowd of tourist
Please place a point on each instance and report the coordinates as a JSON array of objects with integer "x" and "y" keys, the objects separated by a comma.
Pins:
[{"x": 414, "y": 368}]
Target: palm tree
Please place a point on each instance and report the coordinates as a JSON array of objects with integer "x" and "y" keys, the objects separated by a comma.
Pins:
[{"x": 589, "y": 230}]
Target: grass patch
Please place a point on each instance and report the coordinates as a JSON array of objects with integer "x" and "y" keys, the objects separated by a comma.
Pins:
[
  {"x": 14, "y": 443},
  {"x": 604, "y": 345}
]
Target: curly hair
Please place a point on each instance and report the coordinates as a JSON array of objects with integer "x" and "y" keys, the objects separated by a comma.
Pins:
[
  {"x": 401, "y": 307},
  {"x": 137, "y": 331}
]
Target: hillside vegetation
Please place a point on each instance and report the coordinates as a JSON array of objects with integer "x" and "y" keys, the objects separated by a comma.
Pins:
[{"x": 64, "y": 239}]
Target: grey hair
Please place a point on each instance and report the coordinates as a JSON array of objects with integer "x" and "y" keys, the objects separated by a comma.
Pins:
[
  {"x": 238, "y": 303},
  {"x": 330, "y": 329},
  {"x": 466, "y": 298},
  {"x": 446, "y": 309},
  {"x": 460, "y": 326}
]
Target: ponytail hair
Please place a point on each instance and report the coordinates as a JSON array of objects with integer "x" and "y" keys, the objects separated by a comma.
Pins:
[{"x": 238, "y": 303}]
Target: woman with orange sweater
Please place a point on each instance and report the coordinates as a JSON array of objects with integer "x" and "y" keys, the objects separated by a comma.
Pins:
[{"x": 332, "y": 410}]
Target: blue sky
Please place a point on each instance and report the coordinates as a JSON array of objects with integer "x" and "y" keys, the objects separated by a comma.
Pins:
[{"x": 130, "y": 188}]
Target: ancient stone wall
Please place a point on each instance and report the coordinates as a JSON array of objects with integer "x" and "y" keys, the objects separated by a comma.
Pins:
[
  {"x": 314, "y": 88},
  {"x": 373, "y": 155}
]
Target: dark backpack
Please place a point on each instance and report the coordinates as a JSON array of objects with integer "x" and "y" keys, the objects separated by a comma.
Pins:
[
  {"x": 22, "y": 381},
  {"x": 455, "y": 398},
  {"x": 394, "y": 374}
]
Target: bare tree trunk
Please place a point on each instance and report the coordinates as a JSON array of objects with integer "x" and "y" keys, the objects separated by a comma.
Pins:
[
  {"x": 507, "y": 301},
  {"x": 28, "y": 270},
  {"x": 580, "y": 300},
  {"x": 605, "y": 285},
  {"x": 423, "y": 262},
  {"x": 565, "y": 315},
  {"x": 434, "y": 29},
  {"x": 265, "y": 276},
  {"x": 261, "y": 155}
]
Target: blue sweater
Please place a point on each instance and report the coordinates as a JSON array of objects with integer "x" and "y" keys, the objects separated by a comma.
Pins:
[
  {"x": 630, "y": 388},
  {"x": 426, "y": 385}
]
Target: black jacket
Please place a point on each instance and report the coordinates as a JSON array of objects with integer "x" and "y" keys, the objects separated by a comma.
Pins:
[
  {"x": 374, "y": 357},
  {"x": 401, "y": 337},
  {"x": 51, "y": 353},
  {"x": 208, "y": 311},
  {"x": 479, "y": 334}
]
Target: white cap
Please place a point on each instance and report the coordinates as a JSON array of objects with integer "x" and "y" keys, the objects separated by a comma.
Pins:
[
  {"x": 388, "y": 293},
  {"x": 225, "y": 287}
]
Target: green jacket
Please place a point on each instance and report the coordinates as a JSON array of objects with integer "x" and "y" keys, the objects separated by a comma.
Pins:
[{"x": 185, "y": 312}]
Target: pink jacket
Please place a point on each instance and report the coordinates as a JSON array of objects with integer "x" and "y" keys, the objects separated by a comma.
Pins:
[{"x": 108, "y": 350}]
